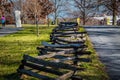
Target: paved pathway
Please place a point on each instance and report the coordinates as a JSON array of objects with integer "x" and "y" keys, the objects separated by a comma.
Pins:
[
  {"x": 8, "y": 30},
  {"x": 106, "y": 41}
]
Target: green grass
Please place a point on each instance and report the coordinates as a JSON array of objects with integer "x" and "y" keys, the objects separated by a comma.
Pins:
[
  {"x": 94, "y": 70},
  {"x": 14, "y": 46}
]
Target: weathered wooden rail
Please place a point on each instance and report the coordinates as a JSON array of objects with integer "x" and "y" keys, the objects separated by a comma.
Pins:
[
  {"x": 68, "y": 37},
  {"x": 63, "y": 45},
  {"x": 34, "y": 67},
  {"x": 59, "y": 49},
  {"x": 68, "y": 34},
  {"x": 69, "y": 24},
  {"x": 47, "y": 63},
  {"x": 62, "y": 40}
]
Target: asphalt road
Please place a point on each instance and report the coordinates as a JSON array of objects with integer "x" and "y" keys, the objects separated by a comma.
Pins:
[
  {"x": 106, "y": 41},
  {"x": 8, "y": 30}
]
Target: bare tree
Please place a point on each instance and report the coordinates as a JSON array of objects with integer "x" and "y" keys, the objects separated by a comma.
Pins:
[
  {"x": 85, "y": 8},
  {"x": 37, "y": 10},
  {"x": 47, "y": 8},
  {"x": 30, "y": 9},
  {"x": 112, "y": 6},
  {"x": 5, "y": 7},
  {"x": 33, "y": 7},
  {"x": 59, "y": 8}
]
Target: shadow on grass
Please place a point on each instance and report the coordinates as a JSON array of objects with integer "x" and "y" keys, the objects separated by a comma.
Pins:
[
  {"x": 95, "y": 77},
  {"x": 13, "y": 76}
]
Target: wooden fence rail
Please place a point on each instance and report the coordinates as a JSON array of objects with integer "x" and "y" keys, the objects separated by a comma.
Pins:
[{"x": 47, "y": 63}]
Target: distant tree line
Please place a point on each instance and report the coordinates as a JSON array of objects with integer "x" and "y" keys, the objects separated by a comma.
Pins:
[
  {"x": 40, "y": 10},
  {"x": 88, "y": 8},
  {"x": 30, "y": 9}
]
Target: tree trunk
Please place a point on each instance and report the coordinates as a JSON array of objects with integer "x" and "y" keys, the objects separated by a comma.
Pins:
[
  {"x": 114, "y": 13},
  {"x": 55, "y": 13},
  {"x": 55, "y": 18},
  {"x": 84, "y": 14},
  {"x": 37, "y": 27},
  {"x": 48, "y": 21},
  {"x": 84, "y": 19},
  {"x": 114, "y": 18}
]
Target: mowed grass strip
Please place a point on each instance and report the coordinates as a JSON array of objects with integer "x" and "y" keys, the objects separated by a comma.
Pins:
[
  {"x": 14, "y": 46},
  {"x": 95, "y": 70}
]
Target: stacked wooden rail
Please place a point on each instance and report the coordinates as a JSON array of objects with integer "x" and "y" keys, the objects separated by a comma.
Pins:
[{"x": 59, "y": 58}]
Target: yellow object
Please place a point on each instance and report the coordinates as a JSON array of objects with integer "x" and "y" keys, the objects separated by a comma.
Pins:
[
  {"x": 108, "y": 21},
  {"x": 78, "y": 21}
]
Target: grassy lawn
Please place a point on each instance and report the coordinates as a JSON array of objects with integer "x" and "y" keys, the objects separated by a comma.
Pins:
[{"x": 14, "y": 46}]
